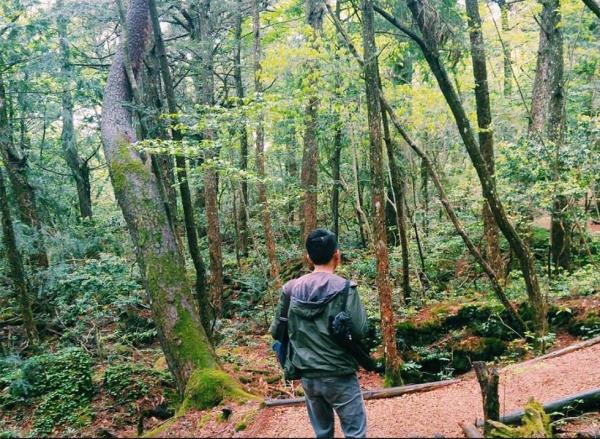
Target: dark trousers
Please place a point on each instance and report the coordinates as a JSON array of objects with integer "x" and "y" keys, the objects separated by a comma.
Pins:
[{"x": 342, "y": 394}]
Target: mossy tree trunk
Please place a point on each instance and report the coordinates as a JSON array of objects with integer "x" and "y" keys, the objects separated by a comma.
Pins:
[
  {"x": 392, "y": 359},
  {"x": 15, "y": 263},
  {"x": 486, "y": 135},
  {"x": 184, "y": 188},
  {"x": 183, "y": 340},
  {"x": 78, "y": 165}
]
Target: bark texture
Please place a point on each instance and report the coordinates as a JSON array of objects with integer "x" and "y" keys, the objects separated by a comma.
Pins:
[
  {"x": 15, "y": 263},
  {"x": 183, "y": 339},
  {"x": 392, "y": 360},
  {"x": 488, "y": 382}
]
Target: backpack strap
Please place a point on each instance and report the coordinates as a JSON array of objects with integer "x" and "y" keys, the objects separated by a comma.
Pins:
[
  {"x": 285, "y": 307},
  {"x": 345, "y": 292}
]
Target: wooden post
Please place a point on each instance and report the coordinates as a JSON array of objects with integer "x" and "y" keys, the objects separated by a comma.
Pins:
[{"x": 488, "y": 381}]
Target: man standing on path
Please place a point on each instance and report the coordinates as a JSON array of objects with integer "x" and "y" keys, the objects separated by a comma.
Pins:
[{"x": 327, "y": 370}]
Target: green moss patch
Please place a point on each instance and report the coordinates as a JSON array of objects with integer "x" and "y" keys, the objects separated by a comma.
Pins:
[{"x": 208, "y": 388}]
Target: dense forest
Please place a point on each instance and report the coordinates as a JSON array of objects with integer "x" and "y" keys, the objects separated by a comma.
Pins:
[{"x": 162, "y": 162}]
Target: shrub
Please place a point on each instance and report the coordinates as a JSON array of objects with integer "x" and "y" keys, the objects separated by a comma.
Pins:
[{"x": 127, "y": 382}]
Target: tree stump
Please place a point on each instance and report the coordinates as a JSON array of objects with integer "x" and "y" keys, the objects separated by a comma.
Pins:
[{"x": 488, "y": 381}]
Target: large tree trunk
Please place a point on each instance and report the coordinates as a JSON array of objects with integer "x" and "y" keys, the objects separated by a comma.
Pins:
[
  {"x": 548, "y": 120},
  {"x": 184, "y": 188},
  {"x": 15, "y": 263},
  {"x": 260, "y": 153},
  {"x": 392, "y": 360},
  {"x": 243, "y": 133},
  {"x": 310, "y": 153},
  {"x": 210, "y": 179},
  {"x": 15, "y": 160},
  {"x": 486, "y": 137},
  {"x": 183, "y": 339},
  {"x": 429, "y": 46},
  {"x": 78, "y": 166}
]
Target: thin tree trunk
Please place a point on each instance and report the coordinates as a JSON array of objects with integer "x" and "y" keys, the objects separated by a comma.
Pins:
[
  {"x": 392, "y": 359},
  {"x": 210, "y": 178},
  {"x": 310, "y": 153},
  {"x": 78, "y": 166},
  {"x": 184, "y": 188},
  {"x": 15, "y": 263},
  {"x": 336, "y": 159},
  {"x": 260, "y": 153},
  {"x": 362, "y": 219},
  {"x": 430, "y": 50},
  {"x": 243, "y": 133},
  {"x": 425, "y": 198},
  {"x": 183, "y": 339},
  {"x": 335, "y": 190},
  {"x": 548, "y": 120},
  {"x": 15, "y": 160},
  {"x": 486, "y": 137},
  {"x": 506, "y": 49},
  {"x": 398, "y": 189}
]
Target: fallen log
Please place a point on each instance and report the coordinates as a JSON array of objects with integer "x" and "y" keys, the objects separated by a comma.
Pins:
[
  {"x": 563, "y": 351},
  {"x": 470, "y": 430},
  {"x": 584, "y": 401},
  {"x": 390, "y": 392}
]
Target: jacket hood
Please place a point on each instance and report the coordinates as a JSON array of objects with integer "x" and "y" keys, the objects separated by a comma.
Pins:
[{"x": 312, "y": 291}]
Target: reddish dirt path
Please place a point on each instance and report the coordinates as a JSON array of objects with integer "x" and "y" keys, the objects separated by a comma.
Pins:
[{"x": 439, "y": 411}]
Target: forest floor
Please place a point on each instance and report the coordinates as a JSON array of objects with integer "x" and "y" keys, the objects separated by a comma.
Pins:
[
  {"x": 439, "y": 411},
  {"x": 427, "y": 414}
]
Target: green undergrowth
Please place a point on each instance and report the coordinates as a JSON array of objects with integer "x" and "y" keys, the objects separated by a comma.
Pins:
[
  {"x": 59, "y": 384},
  {"x": 449, "y": 340}
]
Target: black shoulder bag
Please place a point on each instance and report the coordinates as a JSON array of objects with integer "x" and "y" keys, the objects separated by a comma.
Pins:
[
  {"x": 340, "y": 327},
  {"x": 282, "y": 339}
]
